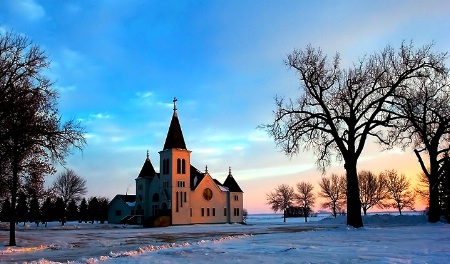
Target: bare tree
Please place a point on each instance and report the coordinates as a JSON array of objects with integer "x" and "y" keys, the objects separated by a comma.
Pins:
[
  {"x": 398, "y": 188},
  {"x": 69, "y": 185},
  {"x": 30, "y": 125},
  {"x": 281, "y": 199},
  {"x": 333, "y": 189},
  {"x": 337, "y": 110},
  {"x": 372, "y": 190},
  {"x": 424, "y": 122},
  {"x": 423, "y": 188},
  {"x": 305, "y": 198}
]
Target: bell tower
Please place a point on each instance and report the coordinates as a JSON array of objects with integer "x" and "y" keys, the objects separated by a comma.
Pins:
[{"x": 175, "y": 164}]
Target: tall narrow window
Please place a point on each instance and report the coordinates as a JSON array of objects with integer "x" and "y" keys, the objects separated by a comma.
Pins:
[
  {"x": 224, "y": 211},
  {"x": 203, "y": 211},
  {"x": 214, "y": 212},
  {"x": 181, "y": 199},
  {"x": 185, "y": 197},
  {"x": 177, "y": 203},
  {"x": 191, "y": 211},
  {"x": 207, "y": 211},
  {"x": 183, "y": 166},
  {"x": 179, "y": 166}
]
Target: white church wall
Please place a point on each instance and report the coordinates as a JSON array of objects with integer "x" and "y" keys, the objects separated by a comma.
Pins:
[{"x": 208, "y": 211}]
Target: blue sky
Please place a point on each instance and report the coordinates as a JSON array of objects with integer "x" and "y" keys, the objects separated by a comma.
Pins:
[{"x": 119, "y": 64}]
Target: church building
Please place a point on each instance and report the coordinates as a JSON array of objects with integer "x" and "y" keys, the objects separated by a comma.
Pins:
[{"x": 180, "y": 192}]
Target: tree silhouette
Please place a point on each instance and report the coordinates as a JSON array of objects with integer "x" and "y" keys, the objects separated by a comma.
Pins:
[
  {"x": 423, "y": 121},
  {"x": 60, "y": 210},
  {"x": 93, "y": 209},
  {"x": 48, "y": 211},
  {"x": 6, "y": 211},
  {"x": 103, "y": 201},
  {"x": 338, "y": 110},
  {"x": 398, "y": 191},
  {"x": 30, "y": 125},
  {"x": 333, "y": 189},
  {"x": 72, "y": 211},
  {"x": 22, "y": 208},
  {"x": 69, "y": 185},
  {"x": 305, "y": 198},
  {"x": 35, "y": 212},
  {"x": 372, "y": 190},
  {"x": 281, "y": 199},
  {"x": 83, "y": 211}
]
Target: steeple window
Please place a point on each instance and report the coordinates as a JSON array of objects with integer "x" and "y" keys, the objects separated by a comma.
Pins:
[
  {"x": 165, "y": 169},
  {"x": 181, "y": 166}
]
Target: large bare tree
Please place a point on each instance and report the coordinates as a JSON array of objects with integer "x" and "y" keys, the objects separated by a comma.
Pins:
[
  {"x": 337, "y": 110},
  {"x": 30, "y": 124},
  {"x": 372, "y": 190},
  {"x": 281, "y": 199},
  {"x": 333, "y": 189},
  {"x": 69, "y": 185},
  {"x": 305, "y": 198},
  {"x": 424, "y": 123}
]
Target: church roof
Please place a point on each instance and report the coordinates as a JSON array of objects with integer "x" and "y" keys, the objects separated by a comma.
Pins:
[
  {"x": 196, "y": 177},
  {"x": 127, "y": 198},
  {"x": 231, "y": 183},
  {"x": 147, "y": 170},
  {"x": 174, "y": 137}
]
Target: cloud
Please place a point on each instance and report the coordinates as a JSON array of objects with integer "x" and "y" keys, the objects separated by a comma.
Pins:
[
  {"x": 100, "y": 116},
  {"x": 27, "y": 9}
]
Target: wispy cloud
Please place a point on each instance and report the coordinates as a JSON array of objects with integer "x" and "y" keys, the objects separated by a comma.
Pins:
[
  {"x": 100, "y": 116},
  {"x": 27, "y": 9}
]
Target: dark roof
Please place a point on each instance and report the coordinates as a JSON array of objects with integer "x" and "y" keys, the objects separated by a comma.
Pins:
[
  {"x": 147, "y": 170},
  {"x": 174, "y": 137},
  {"x": 196, "y": 173},
  {"x": 127, "y": 198},
  {"x": 231, "y": 184}
]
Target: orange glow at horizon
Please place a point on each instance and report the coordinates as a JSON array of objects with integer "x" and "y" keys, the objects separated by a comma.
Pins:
[{"x": 255, "y": 190}]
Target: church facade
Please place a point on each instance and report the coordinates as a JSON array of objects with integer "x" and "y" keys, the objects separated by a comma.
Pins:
[{"x": 179, "y": 192}]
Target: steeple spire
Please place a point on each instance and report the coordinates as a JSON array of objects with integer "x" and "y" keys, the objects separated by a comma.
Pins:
[{"x": 174, "y": 137}]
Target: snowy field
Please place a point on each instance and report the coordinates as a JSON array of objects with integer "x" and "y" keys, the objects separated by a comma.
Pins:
[{"x": 265, "y": 239}]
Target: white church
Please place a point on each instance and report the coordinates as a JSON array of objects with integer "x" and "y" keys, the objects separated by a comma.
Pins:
[{"x": 179, "y": 194}]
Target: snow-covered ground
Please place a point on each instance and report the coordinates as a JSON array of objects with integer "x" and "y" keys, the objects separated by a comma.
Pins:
[{"x": 266, "y": 239}]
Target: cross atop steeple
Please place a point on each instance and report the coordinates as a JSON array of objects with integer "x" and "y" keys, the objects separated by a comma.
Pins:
[
  {"x": 147, "y": 154},
  {"x": 175, "y": 104}
]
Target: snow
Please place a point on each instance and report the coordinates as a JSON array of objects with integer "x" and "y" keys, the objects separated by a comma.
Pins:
[{"x": 265, "y": 239}]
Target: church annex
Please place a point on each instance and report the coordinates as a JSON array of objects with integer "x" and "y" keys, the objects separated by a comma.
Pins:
[{"x": 180, "y": 193}]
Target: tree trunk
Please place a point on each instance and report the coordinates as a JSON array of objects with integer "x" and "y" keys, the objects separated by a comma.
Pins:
[
  {"x": 353, "y": 202},
  {"x": 365, "y": 210},
  {"x": 334, "y": 209},
  {"x": 12, "y": 223},
  {"x": 284, "y": 216},
  {"x": 434, "y": 208}
]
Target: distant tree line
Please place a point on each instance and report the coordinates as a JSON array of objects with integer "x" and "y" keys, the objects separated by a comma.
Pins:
[
  {"x": 29, "y": 209},
  {"x": 388, "y": 189}
]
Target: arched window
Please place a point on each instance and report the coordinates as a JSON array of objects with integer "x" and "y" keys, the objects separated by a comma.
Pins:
[
  {"x": 155, "y": 197},
  {"x": 179, "y": 166},
  {"x": 183, "y": 166},
  {"x": 165, "y": 166}
]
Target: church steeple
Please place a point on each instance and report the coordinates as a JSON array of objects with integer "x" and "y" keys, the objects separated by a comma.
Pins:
[
  {"x": 174, "y": 137},
  {"x": 147, "y": 169}
]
